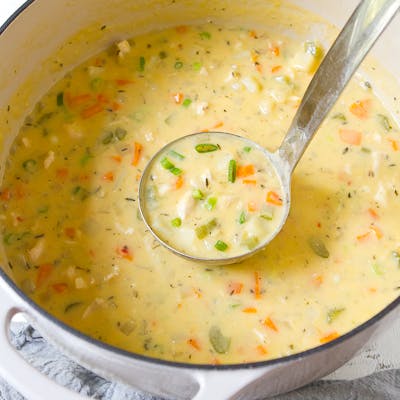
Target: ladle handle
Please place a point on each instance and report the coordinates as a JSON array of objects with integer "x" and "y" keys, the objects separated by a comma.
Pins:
[{"x": 367, "y": 22}]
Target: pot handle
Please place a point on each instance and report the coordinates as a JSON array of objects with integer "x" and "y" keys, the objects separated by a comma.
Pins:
[{"x": 25, "y": 378}]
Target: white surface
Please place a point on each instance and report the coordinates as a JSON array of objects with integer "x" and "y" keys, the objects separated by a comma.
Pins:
[{"x": 383, "y": 353}]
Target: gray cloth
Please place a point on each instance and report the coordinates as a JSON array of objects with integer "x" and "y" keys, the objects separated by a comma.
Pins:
[{"x": 379, "y": 386}]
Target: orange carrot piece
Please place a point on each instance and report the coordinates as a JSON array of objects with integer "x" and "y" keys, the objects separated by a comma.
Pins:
[
  {"x": 270, "y": 324},
  {"x": 372, "y": 290},
  {"x": 252, "y": 206},
  {"x": 123, "y": 82},
  {"x": 182, "y": 29},
  {"x": 60, "y": 287},
  {"x": 350, "y": 136},
  {"x": 218, "y": 125},
  {"x": 137, "y": 153},
  {"x": 78, "y": 100},
  {"x": 44, "y": 272},
  {"x": 243, "y": 171},
  {"x": 329, "y": 337},
  {"x": 275, "y": 50},
  {"x": 117, "y": 159},
  {"x": 124, "y": 252},
  {"x": 361, "y": 108},
  {"x": 395, "y": 145},
  {"x": 5, "y": 195},
  {"x": 194, "y": 343},
  {"x": 317, "y": 279},
  {"x": 249, "y": 181},
  {"x": 70, "y": 232},
  {"x": 62, "y": 173},
  {"x": 257, "y": 285},
  {"x": 92, "y": 110},
  {"x": 179, "y": 182},
  {"x": 235, "y": 288},
  {"x": 373, "y": 213},
  {"x": 276, "y": 68},
  {"x": 262, "y": 350},
  {"x": 377, "y": 231},
  {"x": 253, "y": 34},
  {"x": 108, "y": 176},
  {"x": 250, "y": 310},
  {"x": 178, "y": 97},
  {"x": 273, "y": 198},
  {"x": 363, "y": 237}
]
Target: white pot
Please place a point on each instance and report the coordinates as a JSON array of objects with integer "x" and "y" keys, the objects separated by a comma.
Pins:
[{"x": 26, "y": 43}]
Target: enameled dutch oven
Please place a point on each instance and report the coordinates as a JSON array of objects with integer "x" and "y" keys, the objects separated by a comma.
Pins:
[{"x": 38, "y": 44}]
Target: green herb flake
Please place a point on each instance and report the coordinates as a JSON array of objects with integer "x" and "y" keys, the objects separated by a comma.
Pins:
[
  {"x": 232, "y": 171},
  {"x": 340, "y": 117},
  {"x": 162, "y": 55},
  {"x": 60, "y": 99},
  {"x": 377, "y": 269},
  {"x": 142, "y": 63},
  {"x": 219, "y": 342},
  {"x": 176, "y": 222},
  {"x": 221, "y": 246},
  {"x": 29, "y": 165},
  {"x": 205, "y": 35},
  {"x": 365, "y": 150},
  {"x": 242, "y": 218},
  {"x": 197, "y": 66},
  {"x": 186, "y": 103},
  {"x": 176, "y": 155},
  {"x": 333, "y": 313},
  {"x": 268, "y": 217},
  {"x": 206, "y": 147},
  {"x": 385, "y": 122},
  {"x": 198, "y": 194},
  {"x": 96, "y": 84},
  {"x": 178, "y": 65},
  {"x": 247, "y": 149},
  {"x": 318, "y": 247}
]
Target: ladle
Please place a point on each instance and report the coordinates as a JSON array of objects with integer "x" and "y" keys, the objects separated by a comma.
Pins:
[{"x": 365, "y": 25}]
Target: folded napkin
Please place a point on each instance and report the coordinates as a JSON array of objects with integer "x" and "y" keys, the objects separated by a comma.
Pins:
[{"x": 374, "y": 374}]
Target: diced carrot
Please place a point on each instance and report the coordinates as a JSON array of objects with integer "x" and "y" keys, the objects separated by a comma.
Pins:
[
  {"x": 102, "y": 98},
  {"x": 117, "y": 159},
  {"x": 373, "y": 213},
  {"x": 92, "y": 110},
  {"x": 137, "y": 153},
  {"x": 178, "y": 97},
  {"x": 235, "y": 288},
  {"x": 19, "y": 192},
  {"x": 194, "y": 343},
  {"x": 179, "y": 182},
  {"x": 395, "y": 145},
  {"x": 257, "y": 285},
  {"x": 62, "y": 173},
  {"x": 259, "y": 67},
  {"x": 70, "y": 232},
  {"x": 274, "y": 198},
  {"x": 372, "y": 290},
  {"x": 262, "y": 350},
  {"x": 317, "y": 279},
  {"x": 78, "y": 100},
  {"x": 252, "y": 206},
  {"x": 249, "y": 310},
  {"x": 363, "y": 237},
  {"x": 249, "y": 181},
  {"x": 253, "y": 34},
  {"x": 218, "y": 125},
  {"x": 361, "y": 108},
  {"x": 243, "y": 171},
  {"x": 275, "y": 50},
  {"x": 115, "y": 106},
  {"x": 276, "y": 68},
  {"x": 5, "y": 195},
  {"x": 179, "y": 306},
  {"x": 123, "y": 82},
  {"x": 60, "y": 287},
  {"x": 215, "y": 361},
  {"x": 350, "y": 136},
  {"x": 270, "y": 324},
  {"x": 329, "y": 337},
  {"x": 377, "y": 231},
  {"x": 43, "y": 274},
  {"x": 181, "y": 29},
  {"x": 124, "y": 252},
  {"x": 108, "y": 176}
]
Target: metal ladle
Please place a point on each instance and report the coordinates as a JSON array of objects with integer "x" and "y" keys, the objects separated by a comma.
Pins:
[{"x": 365, "y": 25}]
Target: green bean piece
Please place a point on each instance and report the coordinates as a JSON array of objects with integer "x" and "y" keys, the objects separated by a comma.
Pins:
[
  {"x": 198, "y": 194},
  {"x": 60, "y": 99},
  {"x": 176, "y": 222},
  {"x": 232, "y": 171},
  {"x": 176, "y": 155},
  {"x": 206, "y": 147},
  {"x": 385, "y": 122},
  {"x": 210, "y": 203},
  {"x": 242, "y": 218},
  {"x": 318, "y": 247},
  {"x": 220, "y": 245},
  {"x": 333, "y": 313}
]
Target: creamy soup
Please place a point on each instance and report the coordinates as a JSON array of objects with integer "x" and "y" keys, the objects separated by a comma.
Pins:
[
  {"x": 212, "y": 196},
  {"x": 77, "y": 245}
]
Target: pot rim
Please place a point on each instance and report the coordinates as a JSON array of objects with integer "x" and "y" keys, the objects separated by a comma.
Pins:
[{"x": 192, "y": 366}]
